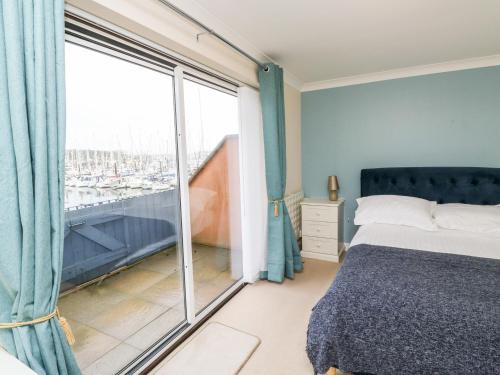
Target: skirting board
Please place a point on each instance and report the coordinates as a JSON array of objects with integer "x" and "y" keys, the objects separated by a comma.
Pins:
[{"x": 319, "y": 256}]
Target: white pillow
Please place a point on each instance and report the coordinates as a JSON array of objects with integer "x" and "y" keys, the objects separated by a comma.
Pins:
[
  {"x": 468, "y": 217},
  {"x": 396, "y": 210}
]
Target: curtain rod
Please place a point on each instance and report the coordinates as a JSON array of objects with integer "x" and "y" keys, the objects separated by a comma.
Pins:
[{"x": 211, "y": 32}]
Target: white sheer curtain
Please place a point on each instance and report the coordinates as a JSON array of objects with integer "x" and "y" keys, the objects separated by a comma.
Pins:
[{"x": 254, "y": 193}]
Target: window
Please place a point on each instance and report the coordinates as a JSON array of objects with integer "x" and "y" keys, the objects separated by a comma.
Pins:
[{"x": 135, "y": 274}]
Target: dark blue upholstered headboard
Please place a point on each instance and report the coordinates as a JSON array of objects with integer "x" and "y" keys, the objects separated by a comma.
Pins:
[{"x": 441, "y": 184}]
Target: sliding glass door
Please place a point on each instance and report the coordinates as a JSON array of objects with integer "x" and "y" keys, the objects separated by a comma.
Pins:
[
  {"x": 152, "y": 199},
  {"x": 122, "y": 280},
  {"x": 212, "y": 143}
]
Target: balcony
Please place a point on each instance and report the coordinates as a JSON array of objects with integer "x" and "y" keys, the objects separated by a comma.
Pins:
[{"x": 122, "y": 283}]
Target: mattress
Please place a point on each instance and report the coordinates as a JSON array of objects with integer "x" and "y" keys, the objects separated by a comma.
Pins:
[{"x": 441, "y": 240}]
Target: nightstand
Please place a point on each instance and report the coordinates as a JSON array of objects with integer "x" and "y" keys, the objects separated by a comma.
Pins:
[{"x": 322, "y": 229}]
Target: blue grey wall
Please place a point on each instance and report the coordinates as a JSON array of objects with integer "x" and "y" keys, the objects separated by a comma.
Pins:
[{"x": 446, "y": 119}]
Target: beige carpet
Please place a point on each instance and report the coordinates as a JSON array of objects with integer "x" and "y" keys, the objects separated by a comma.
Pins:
[
  {"x": 278, "y": 314},
  {"x": 215, "y": 349}
]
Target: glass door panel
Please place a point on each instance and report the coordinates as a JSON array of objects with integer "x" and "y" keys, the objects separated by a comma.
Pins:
[
  {"x": 212, "y": 143},
  {"x": 122, "y": 280}
]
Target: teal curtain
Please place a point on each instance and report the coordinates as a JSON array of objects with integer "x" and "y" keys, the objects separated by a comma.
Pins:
[
  {"x": 283, "y": 255},
  {"x": 32, "y": 121}
]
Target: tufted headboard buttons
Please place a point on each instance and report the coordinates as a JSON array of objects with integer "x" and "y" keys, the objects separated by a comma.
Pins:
[{"x": 441, "y": 184}]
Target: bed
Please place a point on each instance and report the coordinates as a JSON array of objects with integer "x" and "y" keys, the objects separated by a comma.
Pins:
[{"x": 409, "y": 301}]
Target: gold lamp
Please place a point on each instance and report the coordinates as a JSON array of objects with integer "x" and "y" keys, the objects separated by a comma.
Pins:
[{"x": 333, "y": 187}]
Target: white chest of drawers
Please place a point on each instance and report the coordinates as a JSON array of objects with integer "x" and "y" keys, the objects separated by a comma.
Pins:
[{"x": 322, "y": 229}]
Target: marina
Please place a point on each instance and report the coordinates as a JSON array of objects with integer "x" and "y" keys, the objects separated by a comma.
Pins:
[{"x": 98, "y": 177}]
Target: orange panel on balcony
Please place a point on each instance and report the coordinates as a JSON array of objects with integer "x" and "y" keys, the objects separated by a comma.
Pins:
[{"x": 214, "y": 196}]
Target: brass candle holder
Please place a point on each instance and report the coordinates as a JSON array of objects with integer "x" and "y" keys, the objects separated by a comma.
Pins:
[{"x": 333, "y": 187}]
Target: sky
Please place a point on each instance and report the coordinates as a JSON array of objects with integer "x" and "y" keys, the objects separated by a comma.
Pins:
[{"x": 112, "y": 104}]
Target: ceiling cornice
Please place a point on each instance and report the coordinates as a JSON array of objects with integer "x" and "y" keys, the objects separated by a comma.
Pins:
[
  {"x": 413, "y": 71},
  {"x": 292, "y": 80}
]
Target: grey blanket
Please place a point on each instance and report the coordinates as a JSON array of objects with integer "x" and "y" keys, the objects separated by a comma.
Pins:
[{"x": 398, "y": 311}]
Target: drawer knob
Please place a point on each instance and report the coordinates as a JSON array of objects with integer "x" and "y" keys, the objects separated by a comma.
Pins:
[
  {"x": 318, "y": 230},
  {"x": 317, "y": 213}
]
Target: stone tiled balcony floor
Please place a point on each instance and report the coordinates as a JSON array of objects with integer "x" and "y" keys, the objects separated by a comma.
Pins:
[{"x": 117, "y": 319}]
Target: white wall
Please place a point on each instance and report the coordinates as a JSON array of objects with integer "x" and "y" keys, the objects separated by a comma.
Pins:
[{"x": 293, "y": 140}]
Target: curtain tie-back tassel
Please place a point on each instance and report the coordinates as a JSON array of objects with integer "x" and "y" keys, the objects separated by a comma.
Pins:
[
  {"x": 66, "y": 328},
  {"x": 276, "y": 203},
  {"x": 62, "y": 321}
]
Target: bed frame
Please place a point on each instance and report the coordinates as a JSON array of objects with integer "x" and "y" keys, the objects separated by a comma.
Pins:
[{"x": 441, "y": 184}]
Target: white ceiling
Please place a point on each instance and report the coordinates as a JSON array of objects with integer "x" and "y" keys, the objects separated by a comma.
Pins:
[{"x": 317, "y": 40}]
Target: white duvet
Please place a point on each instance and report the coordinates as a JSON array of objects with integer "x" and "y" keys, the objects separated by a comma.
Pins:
[{"x": 442, "y": 240}]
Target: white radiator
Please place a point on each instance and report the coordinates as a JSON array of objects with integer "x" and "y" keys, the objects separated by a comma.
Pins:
[{"x": 292, "y": 202}]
